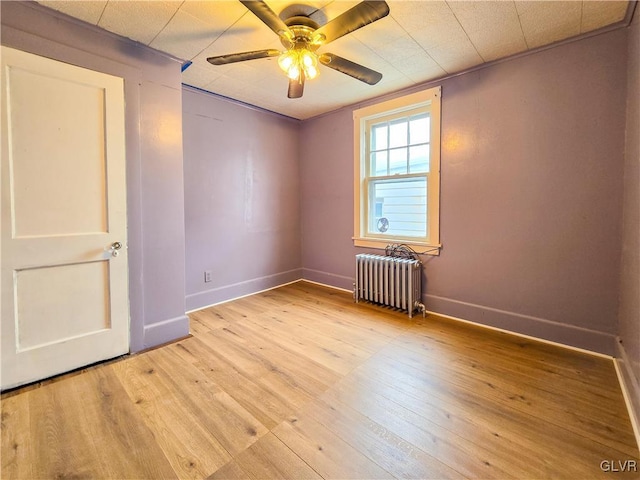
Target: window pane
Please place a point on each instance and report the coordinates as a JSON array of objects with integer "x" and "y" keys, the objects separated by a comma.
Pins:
[
  {"x": 398, "y": 207},
  {"x": 419, "y": 129},
  {"x": 398, "y": 161},
  {"x": 379, "y": 137},
  {"x": 398, "y": 134},
  {"x": 379, "y": 164},
  {"x": 419, "y": 159}
]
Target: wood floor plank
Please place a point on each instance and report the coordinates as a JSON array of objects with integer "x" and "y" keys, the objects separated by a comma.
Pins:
[
  {"x": 304, "y": 372},
  {"x": 270, "y": 458},
  {"x": 253, "y": 305},
  {"x": 206, "y": 320},
  {"x": 268, "y": 407},
  {"x": 328, "y": 355},
  {"x": 380, "y": 444},
  {"x": 191, "y": 450},
  {"x": 277, "y": 297},
  {"x": 526, "y": 356},
  {"x": 341, "y": 303},
  {"x": 605, "y": 403},
  {"x": 292, "y": 324},
  {"x": 58, "y": 447},
  {"x": 528, "y": 400},
  {"x": 15, "y": 439},
  {"x": 251, "y": 365},
  {"x": 478, "y": 443},
  {"x": 211, "y": 408},
  {"x": 568, "y": 362},
  {"x": 337, "y": 328},
  {"x": 226, "y": 313},
  {"x": 327, "y": 453},
  {"x": 85, "y": 426},
  {"x": 387, "y": 322},
  {"x": 231, "y": 471},
  {"x": 469, "y": 459},
  {"x": 460, "y": 403}
]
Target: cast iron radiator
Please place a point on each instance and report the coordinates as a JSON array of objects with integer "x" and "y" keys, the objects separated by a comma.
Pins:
[{"x": 391, "y": 281}]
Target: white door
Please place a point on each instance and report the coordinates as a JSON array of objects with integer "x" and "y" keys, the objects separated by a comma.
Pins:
[{"x": 64, "y": 256}]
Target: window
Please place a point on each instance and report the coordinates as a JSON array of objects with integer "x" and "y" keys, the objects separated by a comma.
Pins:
[{"x": 397, "y": 172}]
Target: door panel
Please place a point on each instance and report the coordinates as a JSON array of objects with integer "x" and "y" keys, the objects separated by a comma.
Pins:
[
  {"x": 64, "y": 286},
  {"x": 80, "y": 206},
  {"x": 56, "y": 304}
]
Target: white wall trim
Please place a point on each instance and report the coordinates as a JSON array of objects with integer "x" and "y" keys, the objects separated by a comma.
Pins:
[{"x": 226, "y": 293}]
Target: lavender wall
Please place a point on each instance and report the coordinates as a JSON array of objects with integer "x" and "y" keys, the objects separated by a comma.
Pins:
[
  {"x": 154, "y": 156},
  {"x": 242, "y": 215},
  {"x": 532, "y": 163},
  {"x": 629, "y": 328},
  {"x": 531, "y": 189}
]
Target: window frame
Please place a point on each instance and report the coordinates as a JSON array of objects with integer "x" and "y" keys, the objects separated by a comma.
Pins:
[{"x": 363, "y": 118}]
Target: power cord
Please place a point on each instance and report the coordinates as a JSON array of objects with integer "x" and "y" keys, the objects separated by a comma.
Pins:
[{"x": 401, "y": 250}]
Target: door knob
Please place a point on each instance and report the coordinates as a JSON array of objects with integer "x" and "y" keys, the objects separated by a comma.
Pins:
[{"x": 115, "y": 246}]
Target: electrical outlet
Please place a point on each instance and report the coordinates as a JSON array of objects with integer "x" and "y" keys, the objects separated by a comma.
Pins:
[{"x": 207, "y": 276}]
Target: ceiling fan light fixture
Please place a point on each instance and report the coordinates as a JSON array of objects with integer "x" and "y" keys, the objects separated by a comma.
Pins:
[
  {"x": 286, "y": 61},
  {"x": 308, "y": 59},
  {"x": 292, "y": 62},
  {"x": 294, "y": 72},
  {"x": 311, "y": 72}
]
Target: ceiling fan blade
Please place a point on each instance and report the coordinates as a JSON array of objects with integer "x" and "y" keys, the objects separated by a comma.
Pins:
[
  {"x": 268, "y": 17},
  {"x": 242, "y": 56},
  {"x": 296, "y": 87},
  {"x": 357, "y": 17},
  {"x": 350, "y": 68}
]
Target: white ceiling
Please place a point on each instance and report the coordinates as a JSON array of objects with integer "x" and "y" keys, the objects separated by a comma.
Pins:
[{"x": 417, "y": 42}]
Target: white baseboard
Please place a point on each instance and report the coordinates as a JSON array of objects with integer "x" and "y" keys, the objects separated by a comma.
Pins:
[
  {"x": 328, "y": 279},
  {"x": 165, "y": 331},
  {"x": 226, "y": 293},
  {"x": 523, "y": 335},
  {"x": 630, "y": 388},
  {"x": 566, "y": 335},
  {"x": 325, "y": 285}
]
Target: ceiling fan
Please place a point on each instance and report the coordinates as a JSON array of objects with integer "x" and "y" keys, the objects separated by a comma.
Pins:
[{"x": 301, "y": 36}]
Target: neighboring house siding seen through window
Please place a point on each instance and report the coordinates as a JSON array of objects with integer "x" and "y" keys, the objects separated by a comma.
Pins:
[{"x": 397, "y": 172}]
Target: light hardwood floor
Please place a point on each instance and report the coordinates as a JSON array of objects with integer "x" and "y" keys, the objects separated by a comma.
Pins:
[{"x": 299, "y": 382}]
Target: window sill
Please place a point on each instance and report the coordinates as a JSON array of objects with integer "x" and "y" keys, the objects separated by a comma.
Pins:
[{"x": 420, "y": 247}]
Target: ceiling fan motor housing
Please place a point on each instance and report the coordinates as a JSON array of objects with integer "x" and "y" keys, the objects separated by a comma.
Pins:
[{"x": 302, "y": 28}]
